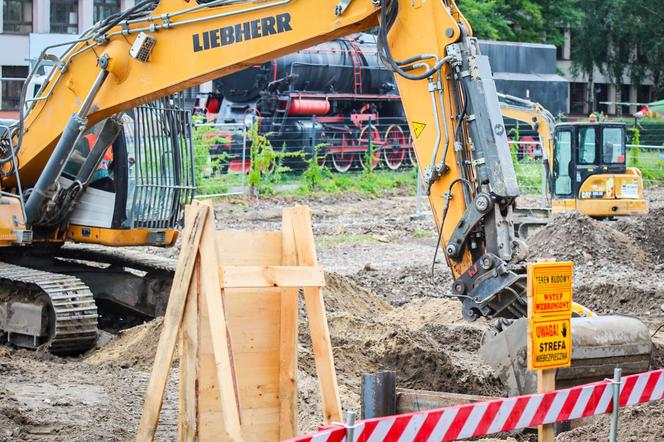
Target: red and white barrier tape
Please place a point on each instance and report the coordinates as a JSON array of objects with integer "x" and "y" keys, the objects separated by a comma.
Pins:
[{"x": 482, "y": 418}]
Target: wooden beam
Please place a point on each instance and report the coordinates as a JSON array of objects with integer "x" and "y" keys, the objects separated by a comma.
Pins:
[
  {"x": 288, "y": 333},
  {"x": 221, "y": 344},
  {"x": 172, "y": 320},
  {"x": 270, "y": 276},
  {"x": 409, "y": 401},
  {"x": 188, "y": 412},
  {"x": 302, "y": 232},
  {"x": 322, "y": 348}
]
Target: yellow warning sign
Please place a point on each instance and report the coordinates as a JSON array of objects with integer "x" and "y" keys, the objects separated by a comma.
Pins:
[
  {"x": 418, "y": 128},
  {"x": 551, "y": 343},
  {"x": 550, "y": 288}
]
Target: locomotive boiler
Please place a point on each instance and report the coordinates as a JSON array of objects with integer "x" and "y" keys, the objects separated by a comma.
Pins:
[{"x": 335, "y": 99}]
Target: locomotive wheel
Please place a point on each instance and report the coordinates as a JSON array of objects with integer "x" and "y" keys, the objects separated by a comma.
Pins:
[
  {"x": 342, "y": 161},
  {"x": 411, "y": 152},
  {"x": 394, "y": 148},
  {"x": 364, "y": 142}
]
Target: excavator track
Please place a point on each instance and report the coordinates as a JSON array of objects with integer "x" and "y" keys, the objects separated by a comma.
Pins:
[{"x": 44, "y": 308}]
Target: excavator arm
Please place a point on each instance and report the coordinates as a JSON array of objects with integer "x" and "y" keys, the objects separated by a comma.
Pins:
[
  {"x": 533, "y": 114},
  {"x": 158, "y": 48}
]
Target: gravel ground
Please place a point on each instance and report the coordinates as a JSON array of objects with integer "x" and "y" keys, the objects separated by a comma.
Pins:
[{"x": 383, "y": 310}]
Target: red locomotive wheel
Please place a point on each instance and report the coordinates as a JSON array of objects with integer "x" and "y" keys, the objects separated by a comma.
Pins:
[
  {"x": 394, "y": 148},
  {"x": 341, "y": 161}
]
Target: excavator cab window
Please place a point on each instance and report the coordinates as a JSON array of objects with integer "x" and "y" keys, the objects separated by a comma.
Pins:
[
  {"x": 562, "y": 178},
  {"x": 613, "y": 145},
  {"x": 587, "y": 145}
]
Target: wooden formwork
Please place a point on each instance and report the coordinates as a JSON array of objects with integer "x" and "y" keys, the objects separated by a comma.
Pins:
[{"x": 233, "y": 309}]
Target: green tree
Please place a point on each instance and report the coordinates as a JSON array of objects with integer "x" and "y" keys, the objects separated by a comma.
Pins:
[
  {"x": 538, "y": 21},
  {"x": 486, "y": 19},
  {"x": 645, "y": 18}
]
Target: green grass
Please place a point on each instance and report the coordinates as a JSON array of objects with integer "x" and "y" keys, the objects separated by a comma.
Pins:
[
  {"x": 529, "y": 175},
  {"x": 650, "y": 162},
  {"x": 337, "y": 240},
  {"x": 378, "y": 183},
  {"x": 419, "y": 233}
]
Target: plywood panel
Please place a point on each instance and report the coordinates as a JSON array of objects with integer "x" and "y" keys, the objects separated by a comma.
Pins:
[{"x": 241, "y": 247}]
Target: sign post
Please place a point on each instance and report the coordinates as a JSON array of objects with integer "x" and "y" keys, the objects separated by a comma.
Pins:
[{"x": 549, "y": 326}]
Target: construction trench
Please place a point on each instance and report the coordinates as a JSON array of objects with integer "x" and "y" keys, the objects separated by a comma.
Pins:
[{"x": 383, "y": 313}]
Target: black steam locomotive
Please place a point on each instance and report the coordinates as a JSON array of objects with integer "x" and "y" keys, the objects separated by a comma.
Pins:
[{"x": 336, "y": 99}]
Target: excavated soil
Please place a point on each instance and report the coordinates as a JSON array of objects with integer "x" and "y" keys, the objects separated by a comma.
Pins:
[
  {"x": 384, "y": 312},
  {"x": 135, "y": 347}
]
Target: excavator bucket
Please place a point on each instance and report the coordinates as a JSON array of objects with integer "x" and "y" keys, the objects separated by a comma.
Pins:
[{"x": 599, "y": 344}]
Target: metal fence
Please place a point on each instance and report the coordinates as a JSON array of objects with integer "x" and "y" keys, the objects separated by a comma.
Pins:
[
  {"x": 224, "y": 151},
  {"x": 221, "y": 158}
]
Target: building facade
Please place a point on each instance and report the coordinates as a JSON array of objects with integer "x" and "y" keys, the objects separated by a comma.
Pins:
[
  {"x": 604, "y": 96},
  {"x": 26, "y": 26}
]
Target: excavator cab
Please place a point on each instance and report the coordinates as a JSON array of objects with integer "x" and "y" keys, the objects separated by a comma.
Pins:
[{"x": 589, "y": 172}]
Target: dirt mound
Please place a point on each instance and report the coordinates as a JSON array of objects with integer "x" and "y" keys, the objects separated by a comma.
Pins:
[
  {"x": 407, "y": 284},
  {"x": 575, "y": 237},
  {"x": 616, "y": 294},
  {"x": 343, "y": 295},
  {"x": 647, "y": 231},
  {"x": 134, "y": 347},
  {"x": 640, "y": 423}
]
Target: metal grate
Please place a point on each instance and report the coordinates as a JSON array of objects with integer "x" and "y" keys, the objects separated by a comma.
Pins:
[{"x": 163, "y": 172}]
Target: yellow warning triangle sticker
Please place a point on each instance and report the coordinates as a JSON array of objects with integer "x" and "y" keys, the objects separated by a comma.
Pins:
[{"x": 418, "y": 128}]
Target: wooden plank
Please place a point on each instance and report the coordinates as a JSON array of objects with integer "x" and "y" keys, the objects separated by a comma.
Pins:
[
  {"x": 240, "y": 248},
  {"x": 221, "y": 345},
  {"x": 409, "y": 401},
  {"x": 322, "y": 348},
  {"x": 302, "y": 231},
  {"x": 288, "y": 364},
  {"x": 546, "y": 382},
  {"x": 288, "y": 334},
  {"x": 305, "y": 249},
  {"x": 253, "y": 318},
  {"x": 271, "y": 276},
  {"x": 264, "y": 424},
  {"x": 172, "y": 320},
  {"x": 187, "y": 420}
]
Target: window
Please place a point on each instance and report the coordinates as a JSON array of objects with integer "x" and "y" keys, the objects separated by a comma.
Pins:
[
  {"x": 105, "y": 8},
  {"x": 64, "y": 16},
  {"x": 17, "y": 16},
  {"x": 587, "y": 153},
  {"x": 11, "y": 86},
  {"x": 563, "y": 159},
  {"x": 613, "y": 145}
]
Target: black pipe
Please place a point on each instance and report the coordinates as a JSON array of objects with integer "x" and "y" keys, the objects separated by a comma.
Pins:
[{"x": 46, "y": 185}]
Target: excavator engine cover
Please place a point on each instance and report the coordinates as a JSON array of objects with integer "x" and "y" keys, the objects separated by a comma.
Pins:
[{"x": 599, "y": 344}]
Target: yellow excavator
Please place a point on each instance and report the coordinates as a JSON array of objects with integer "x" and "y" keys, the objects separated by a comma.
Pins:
[
  {"x": 157, "y": 48},
  {"x": 585, "y": 163}
]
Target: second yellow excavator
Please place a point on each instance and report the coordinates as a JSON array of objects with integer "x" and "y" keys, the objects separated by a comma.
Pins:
[{"x": 585, "y": 163}]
